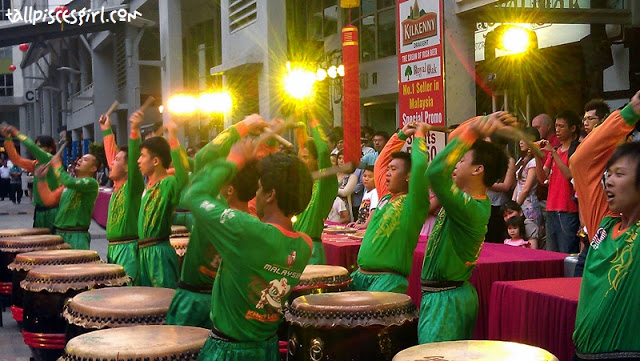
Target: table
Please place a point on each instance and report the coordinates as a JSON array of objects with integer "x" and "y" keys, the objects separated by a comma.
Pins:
[
  {"x": 538, "y": 312},
  {"x": 101, "y": 208}
]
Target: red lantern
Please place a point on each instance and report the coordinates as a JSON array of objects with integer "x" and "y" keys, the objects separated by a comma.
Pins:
[
  {"x": 12, "y": 68},
  {"x": 23, "y": 47}
]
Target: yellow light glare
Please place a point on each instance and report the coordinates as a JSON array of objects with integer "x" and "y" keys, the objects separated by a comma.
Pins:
[
  {"x": 321, "y": 74},
  {"x": 219, "y": 102},
  {"x": 341, "y": 69},
  {"x": 160, "y": 109},
  {"x": 294, "y": 219},
  {"x": 515, "y": 40},
  {"x": 332, "y": 72},
  {"x": 299, "y": 83},
  {"x": 182, "y": 104}
]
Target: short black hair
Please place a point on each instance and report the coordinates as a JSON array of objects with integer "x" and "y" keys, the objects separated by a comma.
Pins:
[
  {"x": 158, "y": 147},
  {"x": 631, "y": 150},
  {"x": 510, "y": 205},
  {"x": 369, "y": 168},
  {"x": 602, "y": 109},
  {"x": 572, "y": 120},
  {"x": 125, "y": 149},
  {"x": 382, "y": 133},
  {"x": 366, "y": 129},
  {"x": 494, "y": 159},
  {"x": 246, "y": 181},
  {"x": 47, "y": 141},
  {"x": 517, "y": 221},
  {"x": 291, "y": 180},
  {"x": 406, "y": 157},
  {"x": 156, "y": 126},
  {"x": 311, "y": 146}
]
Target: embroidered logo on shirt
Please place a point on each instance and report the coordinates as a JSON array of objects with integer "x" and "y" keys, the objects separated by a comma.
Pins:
[
  {"x": 291, "y": 259},
  {"x": 273, "y": 294},
  {"x": 207, "y": 206},
  {"x": 226, "y": 215},
  {"x": 599, "y": 236}
]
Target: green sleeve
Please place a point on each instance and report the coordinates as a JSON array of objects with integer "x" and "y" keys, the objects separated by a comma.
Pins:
[
  {"x": 181, "y": 166},
  {"x": 217, "y": 148},
  {"x": 134, "y": 177},
  {"x": 629, "y": 115},
  {"x": 453, "y": 199},
  {"x": 40, "y": 155},
  {"x": 324, "y": 154},
  {"x": 85, "y": 184},
  {"x": 418, "y": 197},
  {"x": 192, "y": 164}
]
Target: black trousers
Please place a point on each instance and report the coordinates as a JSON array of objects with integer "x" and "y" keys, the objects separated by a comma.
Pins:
[{"x": 16, "y": 192}]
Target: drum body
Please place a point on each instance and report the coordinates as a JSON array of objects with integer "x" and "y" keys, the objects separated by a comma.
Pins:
[
  {"x": 46, "y": 289},
  {"x": 180, "y": 245},
  {"x": 138, "y": 343},
  {"x": 474, "y": 350},
  {"x": 318, "y": 279},
  {"x": 11, "y": 246},
  {"x": 19, "y": 232},
  {"x": 115, "y": 307},
  {"x": 24, "y": 262},
  {"x": 179, "y": 231},
  {"x": 351, "y": 326}
]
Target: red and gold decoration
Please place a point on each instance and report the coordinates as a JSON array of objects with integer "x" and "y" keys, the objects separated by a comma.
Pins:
[{"x": 351, "y": 91}]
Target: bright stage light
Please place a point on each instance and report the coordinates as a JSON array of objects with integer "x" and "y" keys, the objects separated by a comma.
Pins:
[
  {"x": 219, "y": 102},
  {"x": 182, "y": 104},
  {"x": 321, "y": 74},
  {"x": 515, "y": 40},
  {"x": 299, "y": 83}
]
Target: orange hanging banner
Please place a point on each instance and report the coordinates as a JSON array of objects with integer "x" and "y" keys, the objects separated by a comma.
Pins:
[{"x": 351, "y": 91}]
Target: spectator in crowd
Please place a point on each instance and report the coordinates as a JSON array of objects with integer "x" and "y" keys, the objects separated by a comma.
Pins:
[
  {"x": 366, "y": 132},
  {"x": 346, "y": 185},
  {"x": 526, "y": 181},
  {"x": 498, "y": 194},
  {"x": 517, "y": 236},
  {"x": 544, "y": 124},
  {"x": 595, "y": 112},
  {"x": 380, "y": 139},
  {"x": 369, "y": 200},
  {"x": 338, "y": 212},
  {"x": 16, "y": 184},
  {"x": 531, "y": 229},
  {"x": 562, "y": 220},
  {"x": 5, "y": 179}
]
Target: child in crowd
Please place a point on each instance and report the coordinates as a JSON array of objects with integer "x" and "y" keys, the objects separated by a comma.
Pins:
[
  {"x": 339, "y": 212},
  {"x": 532, "y": 231},
  {"x": 369, "y": 200},
  {"x": 516, "y": 232}
]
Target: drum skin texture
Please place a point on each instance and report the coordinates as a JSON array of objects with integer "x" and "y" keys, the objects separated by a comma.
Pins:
[
  {"x": 351, "y": 326},
  {"x": 475, "y": 350},
  {"x": 115, "y": 307},
  {"x": 138, "y": 343}
]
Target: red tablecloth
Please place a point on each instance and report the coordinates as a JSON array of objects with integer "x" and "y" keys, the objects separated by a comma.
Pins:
[
  {"x": 101, "y": 207},
  {"x": 540, "y": 312}
]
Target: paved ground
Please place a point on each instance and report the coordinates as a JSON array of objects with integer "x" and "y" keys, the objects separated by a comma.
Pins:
[{"x": 12, "y": 347}]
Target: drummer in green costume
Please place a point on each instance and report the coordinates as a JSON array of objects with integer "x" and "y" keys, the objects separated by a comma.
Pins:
[
  {"x": 43, "y": 216},
  {"x": 386, "y": 253},
  {"x": 76, "y": 197},
  {"x": 128, "y": 184},
  {"x": 157, "y": 260},
  {"x": 315, "y": 154},
  {"x": 459, "y": 177},
  {"x": 191, "y": 303},
  {"x": 262, "y": 260}
]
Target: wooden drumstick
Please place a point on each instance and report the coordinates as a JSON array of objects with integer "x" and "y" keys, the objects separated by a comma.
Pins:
[
  {"x": 439, "y": 128},
  {"x": 147, "y": 103},
  {"x": 278, "y": 137},
  {"x": 111, "y": 109},
  {"x": 332, "y": 171}
]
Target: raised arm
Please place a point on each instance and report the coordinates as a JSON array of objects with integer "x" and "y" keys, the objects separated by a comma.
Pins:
[
  {"x": 509, "y": 179},
  {"x": 417, "y": 201},
  {"x": 178, "y": 156},
  {"x": 109, "y": 140},
  {"x": 350, "y": 187},
  {"x": 134, "y": 176},
  {"x": 528, "y": 186},
  {"x": 15, "y": 158},
  {"x": 40, "y": 155},
  {"x": 49, "y": 198},
  {"x": 394, "y": 144},
  {"x": 589, "y": 161}
]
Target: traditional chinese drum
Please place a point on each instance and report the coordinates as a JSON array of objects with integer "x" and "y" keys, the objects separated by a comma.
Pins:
[
  {"x": 474, "y": 350},
  {"x": 46, "y": 289},
  {"x": 115, "y": 307},
  {"x": 315, "y": 279},
  {"x": 11, "y": 246},
  {"x": 351, "y": 326},
  {"x": 179, "y": 231},
  {"x": 138, "y": 343},
  {"x": 180, "y": 245},
  {"x": 24, "y": 262},
  {"x": 18, "y": 232}
]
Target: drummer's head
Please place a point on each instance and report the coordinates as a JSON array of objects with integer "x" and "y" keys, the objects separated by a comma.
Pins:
[
  {"x": 398, "y": 171},
  {"x": 119, "y": 165},
  {"x": 47, "y": 143},
  {"x": 87, "y": 166},
  {"x": 284, "y": 188},
  {"x": 154, "y": 153},
  {"x": 482, "y": 166},
  {"x": 309, "y": 155},
  {"x": 242, "y": 188}
]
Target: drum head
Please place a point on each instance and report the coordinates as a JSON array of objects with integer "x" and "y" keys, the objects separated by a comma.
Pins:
[
  {"x": 179, "y": 231},
  {"x": 179, "y": 244},
  {"x": 17, "y": 232},
  {"x": 138, "y": 343},
  {"x": 31, "y": 243},
  {"x": 474, "y": 350},
  {"x": 26, "y": 261},
  {"x": 119, "y": 307},
  {"x": 322, "y": 275},
  {"x": 351, "y": 309},
  {"x": 74, "y": 277}
]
